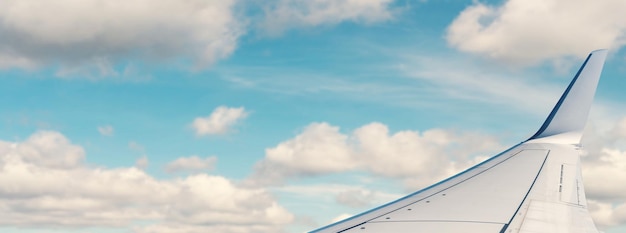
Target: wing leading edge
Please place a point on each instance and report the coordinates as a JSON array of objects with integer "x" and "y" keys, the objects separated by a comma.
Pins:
[{"x": 535, "y": 186}]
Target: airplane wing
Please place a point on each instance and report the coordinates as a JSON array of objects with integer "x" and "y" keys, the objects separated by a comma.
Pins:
[{"x": 535, "y": 186}]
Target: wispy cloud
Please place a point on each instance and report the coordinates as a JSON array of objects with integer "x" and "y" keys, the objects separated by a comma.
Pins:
[
  {"x": 281, "y": 15},
  {"x": 142, "y": 162},
  {"x": 106, "y": 130},
  {"x": 191, "y": 164},
  {"x": 483, "y": 83},
  {"x": 413, "y": 81},
  {"x": 134, "y": 146}
]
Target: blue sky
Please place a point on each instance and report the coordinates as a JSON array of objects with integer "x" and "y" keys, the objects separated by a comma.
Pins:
[{"x": 282, "y": 115}]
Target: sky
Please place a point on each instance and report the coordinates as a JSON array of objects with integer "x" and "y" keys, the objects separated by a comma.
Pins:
[{"x": 237, "y": 116}]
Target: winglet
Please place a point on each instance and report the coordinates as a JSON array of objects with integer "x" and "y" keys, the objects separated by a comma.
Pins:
[{"x": 566, "y": 122}]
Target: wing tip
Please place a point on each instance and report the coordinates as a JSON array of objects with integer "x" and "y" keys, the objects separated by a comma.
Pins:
[
  {"x": 599, "y": 50},
  {"x": 568, "y": 118}
]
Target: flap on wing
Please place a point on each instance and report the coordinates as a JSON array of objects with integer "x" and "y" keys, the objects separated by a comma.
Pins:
[{"x": 438, "y": 227}]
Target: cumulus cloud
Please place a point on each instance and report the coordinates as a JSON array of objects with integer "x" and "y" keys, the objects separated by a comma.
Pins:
[
  {"x": 319, "y": 149},
  {"x": 322, "y": 149},
  {"x": 604, "y": 163},
  {"x": 220, "y": 121},
  {"x": 525, "y": 32},
  {"x": 91, "y": 39},
  {"x": 45, "y": 149},
  {"x": 402, "y": 154},
  {"x": 43, "y": 183},
  {"x": 106, "y": 130},
  {"x": 284, "y": 14},
  {"x": 607, "y": 214},
  {"x": 191, "y": 164},
  {"x": 604, "y": 172},
  {"x": 70, "y": 33}
]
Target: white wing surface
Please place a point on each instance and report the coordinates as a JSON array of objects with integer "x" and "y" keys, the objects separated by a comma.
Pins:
[{"x": 533, "y": 187}]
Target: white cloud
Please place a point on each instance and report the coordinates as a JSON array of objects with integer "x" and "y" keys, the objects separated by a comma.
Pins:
[
  {"x": 526, "y": 32},
  {"x": 321, "y": 149},
  {"x": 220, "y": 121},
  {"x": 44, "y": 184},
  {"x": 604, "y": 163},
  {"x": 607, "y": 214},
  {"x": 348, "y": 195},
  {"x": 45, "y": 149},
  {"x": 402, "y": 154},
  {"x": 92, "y": 40},
  {"x": 603, "y": 172},
  {"x": 192, "y": 163},
  {"x": 284, "y": 14},
  {"x": 618, "y": 130},
  {"x": 420, "y": 158},
  {"x": 13, "y": 61},
  {"x": 70, "y": 32},
  {"x": 106, "y": 130}
]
